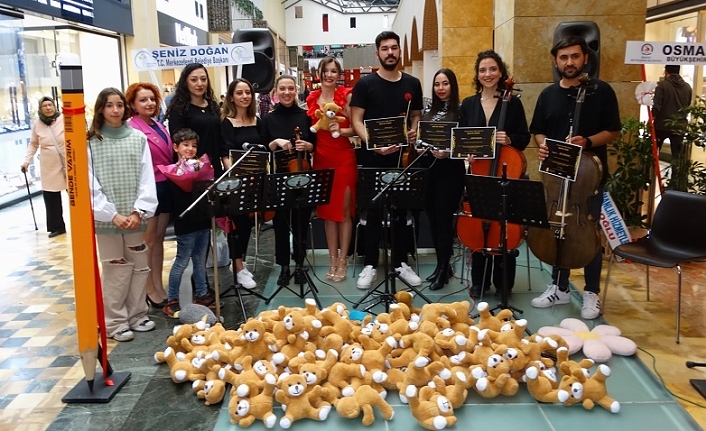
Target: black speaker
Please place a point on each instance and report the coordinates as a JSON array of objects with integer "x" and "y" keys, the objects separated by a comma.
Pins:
[
  {"x": 589, "y": 31},
  {"x": 261, "y": 73}
]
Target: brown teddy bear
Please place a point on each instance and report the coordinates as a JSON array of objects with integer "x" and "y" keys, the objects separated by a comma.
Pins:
[
  {"x": 432, "y": 410},
  {"x": 298, "y": 402},
  {"x": 244, "y": 411},
  {"x": 325, "y": 116},
  {"x": 364, "y": 399}
]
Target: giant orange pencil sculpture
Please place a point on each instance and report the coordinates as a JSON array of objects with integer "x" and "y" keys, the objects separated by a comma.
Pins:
[{"x": 90, "y": 321}]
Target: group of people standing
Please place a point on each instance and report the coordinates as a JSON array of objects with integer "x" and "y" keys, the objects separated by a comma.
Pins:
[
  {"x": 134, "y": 201},
  {"x": 382, "y": 94}
]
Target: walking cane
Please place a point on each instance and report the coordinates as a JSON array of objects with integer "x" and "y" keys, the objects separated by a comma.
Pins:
[{"x": 29, "y": 195}]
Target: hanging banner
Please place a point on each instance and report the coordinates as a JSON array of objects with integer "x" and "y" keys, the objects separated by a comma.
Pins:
[
  {"x": 232, "y": 54},
  {"x": 614, "y": 228},
  {"x": 642, "y": 52}
]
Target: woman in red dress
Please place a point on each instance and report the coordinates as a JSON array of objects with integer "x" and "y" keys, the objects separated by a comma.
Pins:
[{"x": 336, "y": 153}]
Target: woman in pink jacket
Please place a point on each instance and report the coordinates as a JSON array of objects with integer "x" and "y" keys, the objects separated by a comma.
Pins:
[{"x": 144, "y": 100}]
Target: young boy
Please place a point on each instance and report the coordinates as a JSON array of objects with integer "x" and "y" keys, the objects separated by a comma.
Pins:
[{"x": 192, "y": 232}]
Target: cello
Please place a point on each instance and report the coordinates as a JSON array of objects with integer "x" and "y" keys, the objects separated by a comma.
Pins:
[
  {"x": 479, "y": 234},
  {"x": 567, "y": 208}
]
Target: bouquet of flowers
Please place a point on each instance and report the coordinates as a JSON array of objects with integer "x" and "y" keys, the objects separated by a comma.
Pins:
[{"x": 187, "y": 171}]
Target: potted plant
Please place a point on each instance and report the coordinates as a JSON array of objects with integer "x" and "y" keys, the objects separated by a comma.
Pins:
[
  {"x": 684, "y": 174},
  {"x": 631, "y": 178}
]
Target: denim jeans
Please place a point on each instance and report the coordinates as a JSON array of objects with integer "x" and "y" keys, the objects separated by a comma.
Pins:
[{"x": 192, "y": 246}]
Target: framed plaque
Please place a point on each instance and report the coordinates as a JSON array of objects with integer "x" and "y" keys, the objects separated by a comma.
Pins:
[
  {"x": 436, "y": 133},
  {"x": 563, "y": 160},
  {"x": 257, "y": 162},
  {"x": 383, "y": 132},
  {"x": 478, "y": 142}
]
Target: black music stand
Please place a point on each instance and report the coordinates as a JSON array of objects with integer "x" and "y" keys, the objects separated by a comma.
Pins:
[
  {"x": 385, "y": 190},
  {"x": 297, "y": 190},
  {"x": 238, "y": 194},
  {"x": 507, "y": 201}
]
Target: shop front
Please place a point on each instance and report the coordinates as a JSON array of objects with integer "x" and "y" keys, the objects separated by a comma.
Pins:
[{"x": 31, "y": 42}]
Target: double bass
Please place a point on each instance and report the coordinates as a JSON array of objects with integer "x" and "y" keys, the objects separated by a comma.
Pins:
[
  {"x": 575, "y": 241},
  {"x": 479, "y": 234}
]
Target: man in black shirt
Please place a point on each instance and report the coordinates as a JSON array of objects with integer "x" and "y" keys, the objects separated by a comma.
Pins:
[
  {"x": 386, "y": 93},
  {"x": 599, "y": 125}
]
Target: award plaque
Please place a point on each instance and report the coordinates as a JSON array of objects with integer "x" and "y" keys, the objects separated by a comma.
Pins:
[
  {"x": 383, "y": 132},
  {"x": 478, "y": 142},
  {"x": 436, "y": 133},
  {"x": 257, "y": 162},
  {"x": 563, "y": 160}
]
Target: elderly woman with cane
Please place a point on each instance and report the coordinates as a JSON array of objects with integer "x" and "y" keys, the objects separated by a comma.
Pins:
[{"x": 48, "y": 137}]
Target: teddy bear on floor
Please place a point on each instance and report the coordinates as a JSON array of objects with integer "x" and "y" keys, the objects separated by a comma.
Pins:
[
  {"x": 432, "y": 410},
  {"x": 363, "y": 400},
  {"x": 588, "y": 391},
  {"x": 299, "y": 403},
  {"x": 244, "y": 411},
  {"x": 325, "y": 116}
]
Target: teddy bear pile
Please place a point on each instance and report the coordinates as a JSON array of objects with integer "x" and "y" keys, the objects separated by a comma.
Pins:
[{"x": 311, "y": 361}]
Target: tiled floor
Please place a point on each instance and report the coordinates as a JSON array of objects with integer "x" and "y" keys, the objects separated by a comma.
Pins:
[{"x": 39, "y": 361}]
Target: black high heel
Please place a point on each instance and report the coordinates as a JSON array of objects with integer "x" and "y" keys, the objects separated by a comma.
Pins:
[
  {"x": 442, "y": 278},
  {"x": 151, "y": 303}
]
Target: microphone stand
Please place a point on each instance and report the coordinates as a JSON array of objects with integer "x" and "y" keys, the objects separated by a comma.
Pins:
[
  {"x": 698, "y": 384},
  {"x": 387, "y": 296},
  {"x": 209, "y": 189}
]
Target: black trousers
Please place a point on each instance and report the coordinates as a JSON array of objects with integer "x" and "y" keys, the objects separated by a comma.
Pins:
[
  {"x": 299, "y": 229},
  {"x": 495, "y": 268},
  {"x": 54, "y": 210},
  {"x": 442, "y": 198},
  {"x": 373, "y": 234},
  {"x": 239, "y": 237}
]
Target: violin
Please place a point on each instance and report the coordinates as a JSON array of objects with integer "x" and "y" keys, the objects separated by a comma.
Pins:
[
  {"x": 301, "y": 163},
  {"x": 480, "y": 234},
  {"x": 409, "y": 153},
  {"x": 567, "y": 208}
]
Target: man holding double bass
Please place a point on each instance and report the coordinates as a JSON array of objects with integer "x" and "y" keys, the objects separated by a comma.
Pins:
[{"x": 599, "y": 125}]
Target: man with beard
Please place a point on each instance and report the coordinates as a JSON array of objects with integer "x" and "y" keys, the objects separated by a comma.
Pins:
[
  {"x": 386, "y": 93},
  {"x": 598, "y": 126}
]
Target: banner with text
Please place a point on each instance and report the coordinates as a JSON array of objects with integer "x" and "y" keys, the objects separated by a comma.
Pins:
[
  {"x": 642, "y": 52},
  {"x": 179, "y": 56},
  {"x": 614, "y": 228}
]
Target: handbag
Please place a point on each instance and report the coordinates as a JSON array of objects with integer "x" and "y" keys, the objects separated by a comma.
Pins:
[{"x": 222, "y": 250}]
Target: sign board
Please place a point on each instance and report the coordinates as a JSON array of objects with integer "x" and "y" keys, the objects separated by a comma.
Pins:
[
  {"x": 179, "y": 56},
  {"x": 642, "y": 52},
  {"x": 614, "y": 228}
]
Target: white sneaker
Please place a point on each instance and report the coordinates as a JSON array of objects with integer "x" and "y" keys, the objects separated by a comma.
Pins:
[
  {"x": 123, "y": 335},
  {"x": 366, "y": 277},
  {"x": 591, "y": 307},
  {"x": 551, "y": 296},
  {"x": 407, "y": 274},
  {"x": 248, "y": 273},
  {"x": 245, "y": 280}
]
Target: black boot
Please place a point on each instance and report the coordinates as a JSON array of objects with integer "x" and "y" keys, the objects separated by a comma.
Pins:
[
  {"x": 441, "y": 279},
  {"x": 299, "y": 275},
  {"x": 433, "y": 275},
  {"x": 284, "y": 276}
]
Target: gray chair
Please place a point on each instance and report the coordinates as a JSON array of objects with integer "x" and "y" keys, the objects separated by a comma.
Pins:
[{"x": 677, "y": 235}]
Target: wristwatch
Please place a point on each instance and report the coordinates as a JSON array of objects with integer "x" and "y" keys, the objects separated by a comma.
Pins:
[
  {"x": 141, "y": 213},
  {"x": 589, "y": 143}
]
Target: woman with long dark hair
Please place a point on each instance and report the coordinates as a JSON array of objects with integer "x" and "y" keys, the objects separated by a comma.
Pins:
[
  {"x": 445, "y": 178},
  {"x": 480, "y": 110},
  {"x": 239, "y": 125},
  {"x": 194, "y": 106}
]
